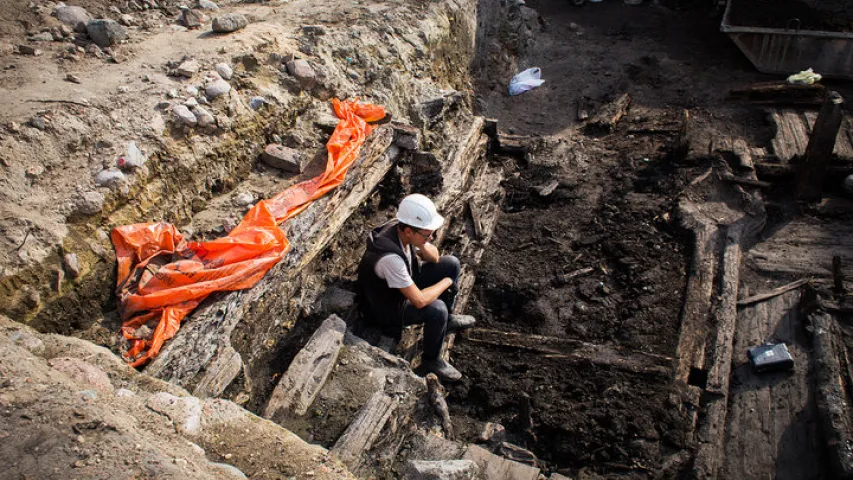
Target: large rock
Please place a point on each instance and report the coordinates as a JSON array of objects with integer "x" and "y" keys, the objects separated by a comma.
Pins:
[
  {"x": 105, "y": 32},
  {"x": 230, "y": 22},
  {"x": 216, "y": 89},
  {"x": 110, "y": 178},
  {"x": 74, "y": 17},
  {"x": 188, "y": 68},
  {"x": 303, "y": 72},
  {"x": 184, "y": 115},
  {"x": 191, "y": 18},
  {"x": 441, "y": 470},
  {"x": 90, "y": 203},
  {"x": 283, "y": 158}
]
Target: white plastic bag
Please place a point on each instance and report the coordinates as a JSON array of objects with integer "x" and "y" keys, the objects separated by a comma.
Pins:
[{"x": 526, "y": 80}]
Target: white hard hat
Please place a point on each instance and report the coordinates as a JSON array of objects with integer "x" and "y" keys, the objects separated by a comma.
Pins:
[{"x": 418, "y": 211}]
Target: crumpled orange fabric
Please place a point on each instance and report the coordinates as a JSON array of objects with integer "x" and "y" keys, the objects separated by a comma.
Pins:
[{"x": 162, "y": 277}]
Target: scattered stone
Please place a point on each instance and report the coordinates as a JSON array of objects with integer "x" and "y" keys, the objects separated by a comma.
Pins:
[
  {"x": 105, "y": 32},
  {"x": 257, "y": 102},
  {"x": 191, "y": 18},
  {"x": 244, "y": 199},
  {"x": 441, "y": 470},
  {"x": 132, "y": 158},
  {"x": 191, "y": 103},
  {"x": 65, "y": 30},
  {"x": 32, "y": 299},
  {"x": 28, "y": 50},
  {"x": 205, "y": 119},
  {"x": 87, "y": 395},
  {"x": 74, "y": 17},
  {"x": 37, "y": 123},
  {"x": 326, "y": 121},
  {"x": 188, "y": 68},
  {"x": 303, "y": 72},
  {"x": 184, "y": 115},
  {"x": 90, "y": 203},
  {"x": 124, "y": 393},
  {"x": 163, "y": 105},
  {"x": 224, "y": 70},
  {"x": 127, "y": 20},
  {"x": 492, "y": 432},
  {"x": 228, "y": 471},
  {"x": 34, "y": 171},
  {"x": 173, "y": 93},
  {"x": 230, "y": 22},
  {"x": 41, "y": 37},
  {"x": 207, "y": 5},
  {"x": 216, "y": 89},
  {"x": 517, "y": 454},
  {"x": 110, "y": 178},
  {"x": 314, "y": 29},
  {"x": 192, "y": 90},
  {"x": 115, "y": 9},
  {"x": 223, "y": 122},
  {"x": 283, "y": 158},
  {"x": 13, "y": 127},
  {"x": 72, "y": 78},
  {"x": 72, "y": 266}
]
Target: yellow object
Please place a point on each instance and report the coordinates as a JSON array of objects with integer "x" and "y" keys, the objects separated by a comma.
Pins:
[{"x": 806, "y": 77}]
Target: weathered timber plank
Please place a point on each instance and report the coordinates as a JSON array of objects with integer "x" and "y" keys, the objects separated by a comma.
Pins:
[
  {"x": 494, "y": 467},
  {"x": 365, "y": 428},
  {"x": 843, "y": 148},
  {"x": 773, "y": 293},
  {"x": 832, "y": 402},
  {"x": 219, "y": 374},
  {"x": 690, "y": 352},
  {"x": 792, "y": 135},
  {"x": 308, "y": 371},
  {"x": 206, "y": 334},
  {"x": 811, "y": 172},
  {"x": 804, "y": 247},
  {"x": 726, "y": 313},
  {"x": 610, "y": 114},
  {"x": 574, "y": 350}
]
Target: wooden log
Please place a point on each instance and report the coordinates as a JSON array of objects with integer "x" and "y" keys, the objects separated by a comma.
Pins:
[
  {"x": 746, "y": 182},
  {"x": 514, "y": 145},
  {"x": 690, "y": 352},
  {"x": 780, "y": 93},
  {"x": 819, "y": 151},
  {"x": 308, "y": 371},
  {"x": 365, "y": 428},
  {"x": 775, "y": 171},
  {"x": 726, "y": 313},
  {"x": 206, "y": 334},
  {"x": 494, "y": 467},
  {"x": 772, "y": 293},
  {"x": 609, "y": 115},
  {"x": 574, "y": 350},
  {"x": 832, "y": 400}
]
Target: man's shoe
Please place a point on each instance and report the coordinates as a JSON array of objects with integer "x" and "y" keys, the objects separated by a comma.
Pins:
[
  {"x": 460, "y": 322},
  {"x": 443, "y": 370}
]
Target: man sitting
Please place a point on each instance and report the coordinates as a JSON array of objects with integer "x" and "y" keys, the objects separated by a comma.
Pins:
[{"x": 406, "y": 282}]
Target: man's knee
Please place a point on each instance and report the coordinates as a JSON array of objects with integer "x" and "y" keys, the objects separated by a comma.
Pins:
[
  {"x": 451, "y": 264},
  {"x": 435, "y": 312}
]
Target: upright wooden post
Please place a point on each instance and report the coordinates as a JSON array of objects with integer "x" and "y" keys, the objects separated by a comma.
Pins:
[{"x": 819, "y": 150}]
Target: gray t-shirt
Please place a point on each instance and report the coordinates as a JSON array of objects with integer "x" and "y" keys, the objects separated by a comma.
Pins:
[{"x": 394, "y": 270}]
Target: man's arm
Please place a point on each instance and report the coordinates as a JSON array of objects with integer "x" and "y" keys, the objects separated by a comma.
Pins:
[
  {"x": 421, "y": 298},
  {"x": 429, "y": 253}
]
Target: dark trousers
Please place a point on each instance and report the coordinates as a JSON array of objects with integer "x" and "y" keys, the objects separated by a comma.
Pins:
[{"x": 434, "y": 316}]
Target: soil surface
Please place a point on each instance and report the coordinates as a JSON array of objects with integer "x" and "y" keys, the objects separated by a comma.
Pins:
[{"x": 607, "y": 225}]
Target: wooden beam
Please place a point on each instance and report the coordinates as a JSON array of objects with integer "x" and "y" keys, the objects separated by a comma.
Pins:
[
  {"x": 726, "y": 314},
  {"x": 365, "y": 428},
  {"x": 773, "y": 293},
  {"x": 819, "y": 151},
  {"x": 206, "y": 334},
  {"x": 308, "y": 371}
]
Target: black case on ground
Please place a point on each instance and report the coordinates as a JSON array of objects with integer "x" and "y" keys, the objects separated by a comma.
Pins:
[{"x": 771, "y": 358}]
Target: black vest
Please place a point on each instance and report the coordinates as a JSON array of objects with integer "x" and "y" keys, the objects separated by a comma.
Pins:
[{"x": 384, "y": 304}]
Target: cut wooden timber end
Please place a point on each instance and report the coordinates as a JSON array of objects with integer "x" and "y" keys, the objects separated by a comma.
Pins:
[
  {"x": 222, "y": 370},
  {"x": 495, "y": 467},
  {"x": 609, "y": 115},
  {"x": 308, "y": 372},
  {"x": 362, "y": 433}
]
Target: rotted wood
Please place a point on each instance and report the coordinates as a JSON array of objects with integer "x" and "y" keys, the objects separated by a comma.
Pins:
[
  {"x": 746, "y": 182},
  {"x": 773, "y": 293},
  {"x": 308, "y": 371},
  {"x": 780, "y": 93},
  {"x": 610, "y": 114},
  {"x": 832, "y": 400},
  {"x": 364, "y": 430},
  {"x": 690, "y": 352},
  {"x": 813, "y": 169},
  {"x": 575, "y": 351},
  {"x": 775, "y": 171},
  {"x": 435, "y": 396},
  {"x": 219, "y": 374},
  {"x": 495, "y": 467},
  {"x": 206, "y": 334},
  {"x": 726, "y": 315}
]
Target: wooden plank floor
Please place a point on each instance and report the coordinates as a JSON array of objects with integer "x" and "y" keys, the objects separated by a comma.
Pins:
[
  {"x": 772, "y": 425},
  {"x": 804, "y": 247},
  {"x": 792, "y": 135}
]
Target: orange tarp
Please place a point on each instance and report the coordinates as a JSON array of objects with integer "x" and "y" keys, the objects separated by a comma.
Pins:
[{"x": 162, "y": 277}]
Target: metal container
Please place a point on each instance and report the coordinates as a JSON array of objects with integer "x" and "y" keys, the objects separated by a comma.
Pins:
[{"x": 790, "y": 50}]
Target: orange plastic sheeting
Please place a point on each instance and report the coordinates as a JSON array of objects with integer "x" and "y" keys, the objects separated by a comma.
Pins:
[{"x": 162, "y": 278}]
